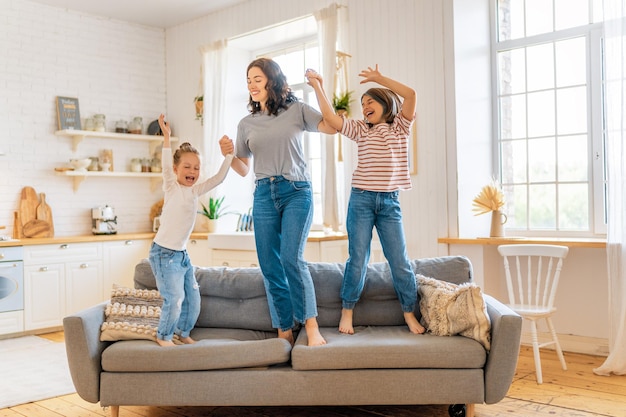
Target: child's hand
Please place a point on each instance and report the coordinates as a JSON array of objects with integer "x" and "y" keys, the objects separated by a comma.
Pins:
[
  {"x": 370, "y": 75},
  {"x": 313, "y": 78},
  {"x": 165, "y": 126},
  {"x": 226, "y": 146}
]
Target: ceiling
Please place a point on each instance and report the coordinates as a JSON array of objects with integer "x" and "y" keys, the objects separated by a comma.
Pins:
[{"x": 157, "y": 13}]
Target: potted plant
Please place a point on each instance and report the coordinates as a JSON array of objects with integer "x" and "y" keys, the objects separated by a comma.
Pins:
[
  {"x": 213, "y": 211},
  {"x": 491, "y": 199},
  {"x": 199, "y": 102},
  {"x": 341, "y": 103}
]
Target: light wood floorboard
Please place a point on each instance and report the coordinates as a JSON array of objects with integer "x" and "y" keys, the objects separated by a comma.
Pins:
[{"x": 577, "y": 392}]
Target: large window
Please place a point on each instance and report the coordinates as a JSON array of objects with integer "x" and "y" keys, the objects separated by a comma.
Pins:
[{"x": 549, "y": 101}]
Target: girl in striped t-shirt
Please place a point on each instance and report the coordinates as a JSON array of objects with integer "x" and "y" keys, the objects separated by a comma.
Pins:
[{"x": 382, "y": 171}]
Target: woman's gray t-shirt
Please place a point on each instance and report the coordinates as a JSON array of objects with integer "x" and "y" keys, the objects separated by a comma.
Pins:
[{"x": 275, "y": 142}]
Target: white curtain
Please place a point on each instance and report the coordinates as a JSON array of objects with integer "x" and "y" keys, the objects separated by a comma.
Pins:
[
  {"x": 327, "y": 22},
  {"x": 215, "y": 65},
  {"x": 615, "y": 72}
]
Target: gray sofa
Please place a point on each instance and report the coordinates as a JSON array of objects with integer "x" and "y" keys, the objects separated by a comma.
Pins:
[{"x": 239, "y": 361}]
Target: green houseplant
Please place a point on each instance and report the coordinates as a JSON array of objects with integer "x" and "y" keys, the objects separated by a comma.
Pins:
[
  {"x": 199, "y": 103},
  {"x": 214, "y": 209},
  {"x": 341, "y": 103}
]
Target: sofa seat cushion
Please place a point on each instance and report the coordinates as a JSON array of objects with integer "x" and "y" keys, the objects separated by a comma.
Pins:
[
  {"x": 386, "y": 347},
  {"x": 215, "y": 349}
]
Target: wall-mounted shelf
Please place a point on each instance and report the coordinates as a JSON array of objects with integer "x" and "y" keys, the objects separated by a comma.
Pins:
[
  {"x": 79, "y": 176},
  {"x": 78, "y": 136}
]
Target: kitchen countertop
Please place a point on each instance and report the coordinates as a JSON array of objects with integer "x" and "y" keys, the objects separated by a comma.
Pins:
[{"x": 313, "y": 237}]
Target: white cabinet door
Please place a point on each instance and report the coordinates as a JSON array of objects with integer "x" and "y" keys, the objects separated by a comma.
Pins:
[
  {"x": 83, "y": 285},
  {"x": 234, "y": 258},
  {"x": 120, "y": 259},
  {"x": 199, "y": 252},
  {"x": 44, "y": 296}
]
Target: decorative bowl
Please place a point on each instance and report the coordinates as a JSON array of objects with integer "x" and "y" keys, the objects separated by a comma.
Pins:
[{"x": 80, "y": 164}]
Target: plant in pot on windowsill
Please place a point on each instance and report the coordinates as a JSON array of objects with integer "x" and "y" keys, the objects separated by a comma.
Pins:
[
  {"x": 212, "y": 211},
  {"x": 341, "y": 103},
  {"x": 491, "y": 199}
]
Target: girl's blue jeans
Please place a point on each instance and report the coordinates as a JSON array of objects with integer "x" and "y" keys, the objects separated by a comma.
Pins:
[
  {"x": 283, "y": 211},
  {"x": 367, "y": 209},
  {"x": 180, "y": 291}
]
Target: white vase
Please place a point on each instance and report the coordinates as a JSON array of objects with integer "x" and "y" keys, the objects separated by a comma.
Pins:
[{"x": 497, "y": 222}]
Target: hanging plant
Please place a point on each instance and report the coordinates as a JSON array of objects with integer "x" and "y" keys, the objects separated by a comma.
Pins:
[
  {"x": 199, "y": 102},
  {"x": 341, "y": 103}
]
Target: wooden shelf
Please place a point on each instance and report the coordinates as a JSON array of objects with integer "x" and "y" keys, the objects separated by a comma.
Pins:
[
  {"x": 79, "y": 176},
  {"x": 78, "y": 136}
]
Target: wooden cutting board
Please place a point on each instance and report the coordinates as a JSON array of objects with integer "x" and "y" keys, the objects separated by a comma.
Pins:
[
  {"x": 36, "y": 228},
  {"x": 44, "y": 212},
  {"x": 28, "y": 205}
]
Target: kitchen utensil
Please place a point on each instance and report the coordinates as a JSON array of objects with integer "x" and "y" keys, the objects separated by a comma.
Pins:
[
  {"x": 80, "y": 164},
  {"x": 17, "y": 225},
  {"x": 36, "y": 228},
  {"x": 44, "y": 212},
  {"x": 28, "y": 205}
]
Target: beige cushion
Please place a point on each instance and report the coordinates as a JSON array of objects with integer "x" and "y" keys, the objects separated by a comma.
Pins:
[
  {"x": 449, "y": 309},
  {"x": 131, "y": 314}
]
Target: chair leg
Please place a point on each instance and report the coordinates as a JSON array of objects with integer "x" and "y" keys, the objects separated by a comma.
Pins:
[
  {"x": 535, "y": 340},
  {"x": 557, "y": 345}
]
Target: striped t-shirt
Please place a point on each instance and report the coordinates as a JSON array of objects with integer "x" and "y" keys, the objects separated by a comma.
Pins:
[{"x": 383, "y": 151}]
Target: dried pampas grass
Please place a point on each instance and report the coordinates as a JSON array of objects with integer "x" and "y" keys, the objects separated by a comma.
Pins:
[{"x": 491, "y": 198}]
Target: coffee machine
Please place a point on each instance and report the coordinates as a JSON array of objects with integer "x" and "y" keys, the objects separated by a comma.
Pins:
[{"x": 103, "y": 221}]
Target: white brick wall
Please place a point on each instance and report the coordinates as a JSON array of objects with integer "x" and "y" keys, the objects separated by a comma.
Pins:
[{"x": 114, "y": 68}]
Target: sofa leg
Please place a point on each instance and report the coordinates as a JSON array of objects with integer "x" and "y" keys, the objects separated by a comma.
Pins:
[
  {"x": 469, "y": 410},
  {"x": 115, "y": 411}
]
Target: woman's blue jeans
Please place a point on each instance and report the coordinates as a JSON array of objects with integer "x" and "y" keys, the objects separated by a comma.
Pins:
[
  {"x": 367, "y": 209},
  {"x": 180, "y": 291},
  {"x": 283, "y": 212}
]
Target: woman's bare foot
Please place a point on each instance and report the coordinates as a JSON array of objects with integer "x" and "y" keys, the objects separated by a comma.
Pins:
[
  {"x": 313, "y": 332},
  {"x": 345, "y": 324},
  {"x": 287, "y": 335},
  {"x": 165, "y": 343},
  {"x": 187, "y": 340},
  {"x": 414, "y": 325}
]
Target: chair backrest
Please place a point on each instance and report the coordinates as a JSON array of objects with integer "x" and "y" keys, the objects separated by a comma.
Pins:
[{"x": 532, "y": 273}]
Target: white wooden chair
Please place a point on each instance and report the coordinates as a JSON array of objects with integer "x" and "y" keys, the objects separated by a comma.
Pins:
[{"x": 532, "y": 277}]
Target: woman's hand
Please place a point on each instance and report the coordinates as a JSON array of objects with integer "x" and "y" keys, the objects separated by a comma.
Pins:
[
  {"x": 313, "y": 78},
  {"x": 226, "y": 145}
]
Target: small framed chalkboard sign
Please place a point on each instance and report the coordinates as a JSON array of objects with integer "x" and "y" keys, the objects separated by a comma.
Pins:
[{"x": 68, "y": 114}]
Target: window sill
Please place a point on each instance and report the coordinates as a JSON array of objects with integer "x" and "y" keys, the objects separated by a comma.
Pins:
[{"x": 570, "y": 242}]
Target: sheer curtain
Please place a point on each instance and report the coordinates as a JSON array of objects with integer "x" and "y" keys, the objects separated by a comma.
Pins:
[
  {"x": 615, "y": 71},
  {"x": 215, "y": 66},
  {"x": 327, "y": 22}
]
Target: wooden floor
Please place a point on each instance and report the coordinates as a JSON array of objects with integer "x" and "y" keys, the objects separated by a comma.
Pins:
[{"x": 577, "y": 392}]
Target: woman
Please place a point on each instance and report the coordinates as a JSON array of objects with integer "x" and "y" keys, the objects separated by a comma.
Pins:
[{"x": 283, "y": 201}]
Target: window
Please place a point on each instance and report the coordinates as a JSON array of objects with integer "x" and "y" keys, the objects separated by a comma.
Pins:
[{"x": 548, "y": 101}]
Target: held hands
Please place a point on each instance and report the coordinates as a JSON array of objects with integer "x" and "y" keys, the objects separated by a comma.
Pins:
[
  {"x": 226, "y": 146},
  {"x": 370, "y": 75},
  {"x": 313, "y": 78}
]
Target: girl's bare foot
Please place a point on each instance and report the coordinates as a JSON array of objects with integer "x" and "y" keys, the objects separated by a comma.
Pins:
[
  {"x": 165, "y": 343},
  {"x": 287, "y": 335},
  {"x": 345, "y": 324},
  {"x": 187, "y": 340},
  {"x": 414, "y": 325},
  {"x": 313, "y": 332}
]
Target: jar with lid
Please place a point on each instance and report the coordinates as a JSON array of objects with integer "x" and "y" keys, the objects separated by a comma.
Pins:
[
  {"x": 99, "y": 122},
  {"x": 146, "y": 165},
  {"x": 89, "y": 124},
  {"x": 136, "y": 126},
  {"x": 135, "y": 165},
  {"x": 121, "y": 126},
  {"x": 155, "y": 165}
]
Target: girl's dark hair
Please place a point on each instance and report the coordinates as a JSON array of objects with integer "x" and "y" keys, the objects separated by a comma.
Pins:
[
  {"x": 388, "y": 99},
  {"x": 278, "y": 92},
  {"x": 185, "y": 147}
]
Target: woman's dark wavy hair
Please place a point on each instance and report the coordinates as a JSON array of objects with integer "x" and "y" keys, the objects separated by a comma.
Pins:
[
  {"x": 278, "y": 92},
  {"x": 388, "y": 99}
]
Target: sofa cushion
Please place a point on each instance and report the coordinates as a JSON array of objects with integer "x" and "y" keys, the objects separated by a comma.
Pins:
[
  {"x": 214, "y": 349},
  {"x": 386, "y": 347},
  {"x": 131, "y": 314},
  {"x": 449, "y": 309}
]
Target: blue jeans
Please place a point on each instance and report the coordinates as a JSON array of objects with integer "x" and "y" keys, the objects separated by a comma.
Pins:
[
  {"x": 367, "y": 209},
  {"x": 283, "y": 212},
  {"x": 180, "y": 291}
]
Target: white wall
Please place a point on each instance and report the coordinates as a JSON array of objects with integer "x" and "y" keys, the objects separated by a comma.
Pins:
[{"x": 114, "y": 68}]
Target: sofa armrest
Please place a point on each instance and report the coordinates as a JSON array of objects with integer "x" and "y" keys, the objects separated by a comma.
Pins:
[
  {"x": 506, "y": 331},
  {"x": 84, "y": 350}
]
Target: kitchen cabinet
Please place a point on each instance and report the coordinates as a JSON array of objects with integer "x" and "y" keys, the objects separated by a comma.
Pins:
[
  {"x": 120, "y": 258},
  {"x": 199, "y": 252},
  {"x": 78, "y": 136},
  {"x": 60, "y": 280},
  {"x": 234, "y": 258}
]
